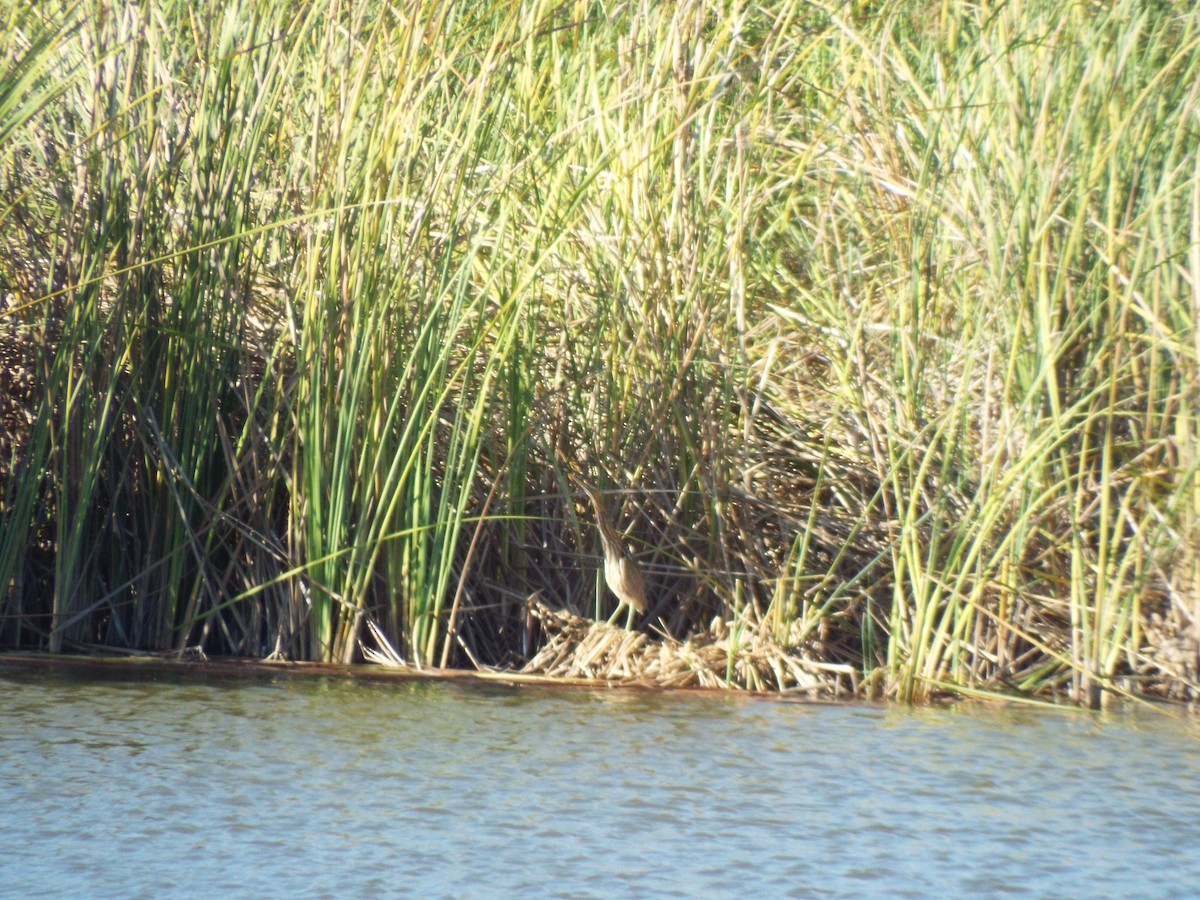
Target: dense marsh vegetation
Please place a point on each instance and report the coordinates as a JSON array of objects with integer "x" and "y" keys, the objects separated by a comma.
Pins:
[{"x": 877, "y": 325}]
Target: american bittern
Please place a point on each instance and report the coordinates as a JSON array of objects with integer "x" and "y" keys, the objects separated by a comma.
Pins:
[{"x": 621, "y": 573}]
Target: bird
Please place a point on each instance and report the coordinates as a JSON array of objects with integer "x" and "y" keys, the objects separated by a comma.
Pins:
[{"x": 621, "y": 573}]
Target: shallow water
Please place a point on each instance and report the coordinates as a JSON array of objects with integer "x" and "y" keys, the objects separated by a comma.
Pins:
[{"x": 324, "y": 788}]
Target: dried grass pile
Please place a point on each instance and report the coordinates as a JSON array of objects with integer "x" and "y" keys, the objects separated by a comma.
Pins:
[{"x": 719, "y": 657}]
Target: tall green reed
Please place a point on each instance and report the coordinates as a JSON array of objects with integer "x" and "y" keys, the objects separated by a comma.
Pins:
[
  {"x": 1017, "y": 329},
  {"x": 877, "y": 322}
]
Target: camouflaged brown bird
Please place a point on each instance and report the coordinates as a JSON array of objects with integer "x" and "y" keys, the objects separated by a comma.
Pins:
[{"x": 621, "y": 573}]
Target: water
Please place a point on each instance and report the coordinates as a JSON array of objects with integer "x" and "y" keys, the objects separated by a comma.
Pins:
[{"x": 327, "y": 788}]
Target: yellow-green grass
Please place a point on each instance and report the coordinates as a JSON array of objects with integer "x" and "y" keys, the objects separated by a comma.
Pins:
[{"x": 877, "y": 324}]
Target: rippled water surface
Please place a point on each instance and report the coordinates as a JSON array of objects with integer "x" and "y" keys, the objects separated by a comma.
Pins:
[{"x": 339, "y": 789}]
